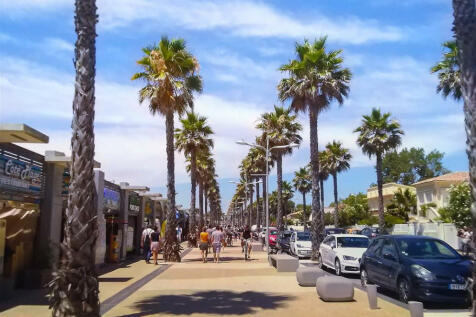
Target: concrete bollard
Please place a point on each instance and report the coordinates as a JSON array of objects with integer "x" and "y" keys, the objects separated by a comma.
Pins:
[
  {"x": 372, "y": 296},
  {"x": 416, "y": 309}
]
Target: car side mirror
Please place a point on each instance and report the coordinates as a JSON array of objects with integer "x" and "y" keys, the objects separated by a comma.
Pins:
[{"x": 389, "y": 256}]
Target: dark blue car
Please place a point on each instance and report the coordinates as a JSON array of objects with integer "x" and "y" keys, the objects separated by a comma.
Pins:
[{"x": 417, "y": 268}]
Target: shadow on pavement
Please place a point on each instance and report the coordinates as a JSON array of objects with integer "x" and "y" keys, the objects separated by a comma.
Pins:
[
  {"x": 209, "y": 302},
  {"x": 114, "y": 279},
  {"x": 223, "y": 259}
]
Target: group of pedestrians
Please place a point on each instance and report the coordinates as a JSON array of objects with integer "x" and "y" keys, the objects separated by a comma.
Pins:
[
  {"x": 213, "y": 238},
  {"x": 150, "y": 243}
]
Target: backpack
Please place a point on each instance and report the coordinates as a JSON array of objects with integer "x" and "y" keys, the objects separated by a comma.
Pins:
[{"x": 147, "y": 239}]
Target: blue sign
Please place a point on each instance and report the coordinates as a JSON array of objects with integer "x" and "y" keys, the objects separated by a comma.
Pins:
[
  {"x": 112, "y": 199},
  {"x": 19, "y": 175}
]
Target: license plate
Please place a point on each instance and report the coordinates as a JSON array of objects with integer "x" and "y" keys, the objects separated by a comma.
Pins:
[{"x": 457, "y": 287}]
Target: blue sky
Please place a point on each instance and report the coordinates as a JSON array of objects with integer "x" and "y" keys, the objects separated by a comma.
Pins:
[{"x": 389, "y": 45}]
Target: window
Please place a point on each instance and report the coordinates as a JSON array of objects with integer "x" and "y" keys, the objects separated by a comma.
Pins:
[
  {"x": 352, "y": 242},
  {"x": 426, "y": 249},
  {"x": 303, "y": 236},
  {"x": 429, "y": 196},
  {"x": 375, "y": 246},
  {"x": 389, "y": 248},
  {"x": 421, "y": 198}
]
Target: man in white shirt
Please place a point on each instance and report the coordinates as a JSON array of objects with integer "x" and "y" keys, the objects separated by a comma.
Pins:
[{"x": 145, "y": 242}]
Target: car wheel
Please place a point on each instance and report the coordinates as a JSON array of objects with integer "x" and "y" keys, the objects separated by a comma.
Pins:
[
  {"x": 319, "y": 261},
  {"x": 364, "y": 278},
  {"x": 338, "y": 269},
  {"x": 404, "y": 290}
]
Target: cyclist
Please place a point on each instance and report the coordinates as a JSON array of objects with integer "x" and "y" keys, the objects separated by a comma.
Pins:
[{"x": 246, "y": 238}]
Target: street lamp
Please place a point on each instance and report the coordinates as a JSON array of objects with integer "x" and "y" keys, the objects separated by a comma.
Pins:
[{"x": 267, "y": 150}]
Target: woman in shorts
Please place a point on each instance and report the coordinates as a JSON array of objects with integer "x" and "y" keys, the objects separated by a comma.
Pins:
[
  {"x": 154, "y": 244},
  {"x": 204, "y": 244}
]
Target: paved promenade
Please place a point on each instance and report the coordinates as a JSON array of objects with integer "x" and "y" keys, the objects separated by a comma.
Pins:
[{"x": 230, "y": 288}]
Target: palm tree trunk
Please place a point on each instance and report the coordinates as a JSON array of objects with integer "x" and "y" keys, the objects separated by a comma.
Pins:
[
  {"x": 279, "y": 170},
  {"x": 321, "y": 183},
  {"x": 265, "y": 199},
  {"x": 251, "y": 209},
  {"x": 381, "y": 218},
  {"x": 465, "y": 31},
  {"x": 193, "y": 179},
  {"x": 317, "y": 226},
  {"x": 205, "y": 207},
  {"x": 171, "y": 246},
  {"x": 74, "y": 288},
  {"x": 304, "y": 218},
  {"x": 336, "y": 201},
  {"x": 258, "y": 218},
  {"x": 200, "y": 204}
]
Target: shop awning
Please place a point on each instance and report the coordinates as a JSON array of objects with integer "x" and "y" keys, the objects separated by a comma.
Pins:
[
  {"x": 21, "y": 133},
  {"x": 61, "y": 159}
]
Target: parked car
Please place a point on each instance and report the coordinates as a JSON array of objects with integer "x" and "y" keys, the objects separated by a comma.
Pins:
[
  {"x": 417, "y": 268},
  {"x": 273, "y": 235},
  {"x": 334, "y": 231},
  {"x": 300, "y": 244},
  {"x": 342, "y": 252},
  {"x": 370, "y": 232},
  {"x": 262, "y": 234},
  {"x": 282, "y": 242}
]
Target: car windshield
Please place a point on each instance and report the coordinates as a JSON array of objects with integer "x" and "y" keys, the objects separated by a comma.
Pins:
[
  {"x": 426, "y": 248},
  {"x": 352, "y": 242},
  {"x": 303, "y": 236},
  {"x": 273, "y": 232}
]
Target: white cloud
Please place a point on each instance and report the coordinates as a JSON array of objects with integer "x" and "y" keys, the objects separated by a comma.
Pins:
[
  {"x": 240, "y": 18},
  {"x": 243, "y": 18},
  {"x": 57, "y": 44}
]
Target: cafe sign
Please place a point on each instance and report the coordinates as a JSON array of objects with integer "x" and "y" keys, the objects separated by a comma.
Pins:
[
  {"x": 134, "y": 203},
  {"x": 19, "y": 175}
]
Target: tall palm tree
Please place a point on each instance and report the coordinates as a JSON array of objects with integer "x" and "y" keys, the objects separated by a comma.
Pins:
[
  {"x": 74, "y": 288},
  {"x": 205, "y": 170},
  {"x": 323, "y": 176},
  {"x": 465, "y": 34},
  {"x": 337, "y": 160},
  {"x": 449, "y": 74},
  {"x": 302, "y": 183},
  {"x": 281, "y": 127},
  {"x": 287, "y": 195},
  {"x": 316, "y": 78},
  {"x": 193, "y": 137},
  {"x": 378, "y": 135},
  {"x": 170, "y": 74}
]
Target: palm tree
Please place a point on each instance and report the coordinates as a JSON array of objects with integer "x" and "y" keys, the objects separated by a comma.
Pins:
[
  {"x": 302, "y": 183},
  {"x": 337, "y": 161},
  {"x": 205, "y": 170},
  {"x": 465, "y": 34},
  {"x": 403, "y": 202},
  {"x": 287, "y": 195},
  {"x": 316, "y": 78},
  {"x": 170, "y": 73},
  {"x": 449, "y": 74},
  {"x": 281, "y": 127},
  {"x": 378, "y": 135},
  {"x": 323, "y": 176},
  {"x": 74, "y": 288},
  {"x": 192, "y": 138}
]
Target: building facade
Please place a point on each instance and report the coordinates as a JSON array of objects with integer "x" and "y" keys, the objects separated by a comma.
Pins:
[{"x": 389, "y": 189}]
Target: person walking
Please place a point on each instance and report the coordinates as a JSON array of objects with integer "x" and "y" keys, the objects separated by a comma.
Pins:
[
  {"x": 145, "y": 242},
  {"x": 246, "y": 238},
  {"x": 210, "y": 231},
  {"x": 179, "y": 234},
  {"x": 217, "y": 239},
  {"x": 154, "y": 244},
  {"x": 204, "y": 244}
]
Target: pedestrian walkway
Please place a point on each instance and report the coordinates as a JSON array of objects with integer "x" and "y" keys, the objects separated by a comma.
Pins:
[
  {"x": 236, "y": 288},
  {"x": 112, "y": 279}
]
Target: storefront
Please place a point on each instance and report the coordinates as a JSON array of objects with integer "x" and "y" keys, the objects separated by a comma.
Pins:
[
  {"x": 21, "y": 193},
  {"x": 112, "y": 203},
  {"x": 133, "y": 223}
]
